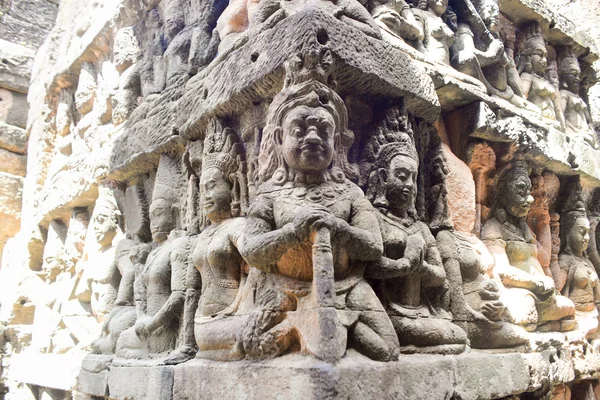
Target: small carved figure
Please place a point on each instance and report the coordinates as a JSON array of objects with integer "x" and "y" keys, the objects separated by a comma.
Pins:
[
  {"x": 575, "y": 110},
  {"x": 514, "y": 247},
  {"x": 474, "y": 295},
  {"x": 594, "y": 217},
  {"x": 218, "y": 331},
  {"x": 479, "y": 51},
  {"x": 310, "y": 229},
  {"x": 578, "y": 274},
  {"x": 397, "y": 22},
  {"x": 164, "y": 274},
  {"x": 412, "y": 270},
  {"x": 242, "y": 15},
  {"x": 531, "y": 65},
  {"x": 437, "y": 35},
  {"x": 99, "y": 283}
]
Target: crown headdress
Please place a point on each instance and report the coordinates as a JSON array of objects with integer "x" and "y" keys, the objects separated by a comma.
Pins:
[
  {"x": 222, "y": 150},
  {"x": 567, "y": 61},
  {"x": 308, "y": 82}
]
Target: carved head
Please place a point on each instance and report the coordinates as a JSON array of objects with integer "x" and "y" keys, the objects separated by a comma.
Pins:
[
  {"x": 490, "y": 14},
  {"x": 437, "y": 6},
  {"x": 223, "y": 174},
  {"x": 574, "y": 226},
  {"x": 393, "y": 182},
  {"x": 569, "y": 71},
  {"x": 165, "y": 198},
  {"x": 532, "y": 49},
  {"x": 513, "y": 192},
  {"x": 105, "y": 218},
  {"x": 307, "y": 124},
  {"x": 577, "y": 228}
]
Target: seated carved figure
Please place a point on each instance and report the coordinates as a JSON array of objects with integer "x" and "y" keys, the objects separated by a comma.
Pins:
[
  {"x": 310, "y": 230},
  {"x": 397, "y": 22},
  {"x": 99, "y": 283},
  {"x": 483, "y": 57},
  {"x": 577, "y": 278},
  {"x": 532, "y": 62},
  {"x": 576, "y": 112},
  {"x": 475, "y": 296},
  {"x": 412, "y": 270},
  {"x": 164, "y": 275},
  {"x": 217, "y": 330},
  {"x": 437, "y": 35},
  {"x": 514, "y": 247}
]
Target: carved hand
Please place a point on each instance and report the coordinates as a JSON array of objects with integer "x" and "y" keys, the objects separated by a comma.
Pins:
[
  {"x": 142, "y": 327},
  {"x": 493, "y": 310},
  {"x": 306, "y": 218},
  {"x": 496, "y": 49},
  {"x": 415, "y": 252},
  {"x": 544, "y": 285}
]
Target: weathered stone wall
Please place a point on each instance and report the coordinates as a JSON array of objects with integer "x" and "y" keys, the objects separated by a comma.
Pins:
[{"x": 24, "y": 25}]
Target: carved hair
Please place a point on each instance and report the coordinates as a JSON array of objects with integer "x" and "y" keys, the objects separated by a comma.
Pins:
[
  {"x": 530, "y": 38},
  {"x": 223, "y": 151},
  {"x": 568, "y": 64},
  {"x": 510, "y": 174},
  {"x": 399, "y": 144},
  {"x": 572, "y": 208},
  {"x": 307, "y": 83}
]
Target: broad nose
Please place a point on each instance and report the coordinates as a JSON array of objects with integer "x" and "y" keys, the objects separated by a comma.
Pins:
[
  {"x": 530, "y": 199},
  {"x": 312, "y": 136}
]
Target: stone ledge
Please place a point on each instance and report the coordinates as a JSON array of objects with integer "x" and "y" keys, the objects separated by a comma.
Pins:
[
  {"x": 15, "y": 66},
  {"x": 13, "y": 138}
]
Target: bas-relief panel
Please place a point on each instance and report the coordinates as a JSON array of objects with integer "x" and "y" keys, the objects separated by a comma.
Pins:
[{"x": 324, "y": 231}]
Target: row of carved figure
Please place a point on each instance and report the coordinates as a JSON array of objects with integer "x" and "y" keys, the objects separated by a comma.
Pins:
[
  {"x": 513, "y": 64},
  {"x": 294, "y": 256}
]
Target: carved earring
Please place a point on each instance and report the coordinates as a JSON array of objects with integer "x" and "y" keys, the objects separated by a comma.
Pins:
[
  {"x": 376, "y": 192},
  {"x": 235, "y": 197}
]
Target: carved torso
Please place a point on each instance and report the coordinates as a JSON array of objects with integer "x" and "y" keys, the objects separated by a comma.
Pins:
[
  {"x": 520, "y": 252},
  {"x": 581, "y": 283},
  {"x": 541, "y": 94},
  {"x": 220, "y": 265},
  {"x": 285, "y": 202},
  {"x": 404, "y": 293},
  {"x": 158, "y": 273},
  {"x": 105, "y": 282}
]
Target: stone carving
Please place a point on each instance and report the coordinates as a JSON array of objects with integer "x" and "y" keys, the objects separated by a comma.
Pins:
[
  {"x": 412, "y": 272},
  {"x": 397, "y": 22},
  {"x": 482, "y": 162},
  {"x": 241, "y": 15},
  {"x": 479, "y": 51},
  {"x": 163, "y": 277},
  {"x": 310, "y": 229},
  {"x": 475, "y": 296},
  {"x": 575, "y": 110},
  {"x": 99, "y": 282},
  {"x": 515, "y": 248},
  {"x": 531, "y": 65},
  {"x": 594, "y": 217},
  {"x": 577, "y": 274},
  {"x": 218, "y": 331},
  {"x": 544, "y": 191},
  {"x": 437, "y": 35}
]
